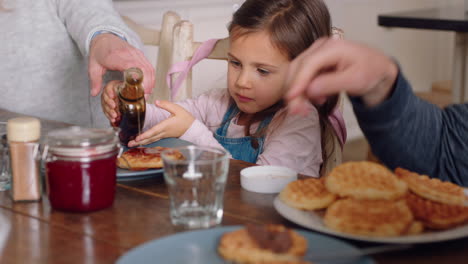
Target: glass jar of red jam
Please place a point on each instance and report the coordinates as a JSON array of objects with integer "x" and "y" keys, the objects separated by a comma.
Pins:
[{"x": 81, "y": 168}]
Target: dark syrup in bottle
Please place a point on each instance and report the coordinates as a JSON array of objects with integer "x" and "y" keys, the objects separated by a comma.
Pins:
[{"x": 132, "y": 105}]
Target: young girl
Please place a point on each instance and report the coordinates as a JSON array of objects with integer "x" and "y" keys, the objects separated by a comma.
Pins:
[{"x": 249, "y": 119}]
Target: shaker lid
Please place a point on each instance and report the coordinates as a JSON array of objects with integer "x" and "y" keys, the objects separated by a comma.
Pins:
[
  {"x": 79, "y": 141},
  {"x": 23, "y": 129}
]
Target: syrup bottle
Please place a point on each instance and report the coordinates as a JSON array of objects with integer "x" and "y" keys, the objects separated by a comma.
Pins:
[{"x": 132, "y": 105}]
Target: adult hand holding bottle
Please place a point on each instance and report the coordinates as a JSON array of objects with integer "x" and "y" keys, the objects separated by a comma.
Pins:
[
  {"x": 109, "y": 52},
  {"x": 124, "y": 104}
]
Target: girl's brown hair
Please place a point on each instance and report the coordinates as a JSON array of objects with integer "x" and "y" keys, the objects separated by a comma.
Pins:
[{"x": 293, "y": 25}]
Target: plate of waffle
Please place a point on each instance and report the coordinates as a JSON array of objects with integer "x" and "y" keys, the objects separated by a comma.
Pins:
[
  {"x": 126, "y": 174},
  {"x": 366, "y": 201},
  {"x": 237, "y": 244}
]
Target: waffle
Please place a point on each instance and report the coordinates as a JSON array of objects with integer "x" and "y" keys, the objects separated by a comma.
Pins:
[
  {"x": 365, "y": 180},
  {"x": 307, "y": 194},
  {"x": 240, "y": 247},
  {"x": 436, "y": 215},
  {"x": 415, "y": 228},
  {"x": 432, "y": 189},
  {"x": 375, "y": 218}
]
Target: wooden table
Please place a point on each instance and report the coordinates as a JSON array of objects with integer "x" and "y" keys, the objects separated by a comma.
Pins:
[
  {"x": 447, "y": 19},
  {"x": 35, "y": 233}
]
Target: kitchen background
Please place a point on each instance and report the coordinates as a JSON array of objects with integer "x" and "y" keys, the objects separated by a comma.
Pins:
[{"x": 425, "y": 55}]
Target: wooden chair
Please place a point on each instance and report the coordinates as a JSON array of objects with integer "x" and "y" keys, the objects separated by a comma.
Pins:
[
  {"x": 176, "y": 44},
  {"x": 184, "y": 48},
  {"x": 161, "y": 38}
]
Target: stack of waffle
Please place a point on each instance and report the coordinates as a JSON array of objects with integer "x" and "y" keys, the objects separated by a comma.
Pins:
[{"x": 365, "y": 198}]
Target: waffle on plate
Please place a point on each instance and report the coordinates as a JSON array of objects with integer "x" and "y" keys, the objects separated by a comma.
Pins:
[
  {"x": 307, "y": 194},
  {"x": 365, "y": 180},
  {"x": 432, "y": 188},
  {"x": 365, "y": 198},
  {"x": 263, "y": 244}
]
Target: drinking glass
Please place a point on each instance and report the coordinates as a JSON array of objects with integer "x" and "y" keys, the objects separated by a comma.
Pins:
[{"x": 196, "y": 185}]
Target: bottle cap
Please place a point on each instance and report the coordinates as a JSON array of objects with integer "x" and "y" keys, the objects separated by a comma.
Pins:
[
  {"x": 23, "y": 129},
  {"x": 132, "y": 90}
]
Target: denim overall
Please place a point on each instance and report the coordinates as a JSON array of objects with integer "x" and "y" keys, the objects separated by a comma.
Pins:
[{"x": 240, "y": 148}]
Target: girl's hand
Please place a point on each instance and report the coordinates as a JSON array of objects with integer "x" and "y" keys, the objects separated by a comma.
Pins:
[
  {"x": 110, "y": 103},
  {"x": 174, "y": 126}
]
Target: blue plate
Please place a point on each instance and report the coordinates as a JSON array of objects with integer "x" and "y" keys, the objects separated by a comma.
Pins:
[
  {"x": 127, "y": 175},
  {"x": 200, "y": 247}
]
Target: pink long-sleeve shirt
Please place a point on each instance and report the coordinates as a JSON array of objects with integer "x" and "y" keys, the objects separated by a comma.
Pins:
[{"x": 292, "y": 141}]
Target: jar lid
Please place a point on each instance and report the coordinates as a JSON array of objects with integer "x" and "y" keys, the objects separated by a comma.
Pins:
[
  {"x": 23, "y": 129},
  {"x": 79, "y": 142}
]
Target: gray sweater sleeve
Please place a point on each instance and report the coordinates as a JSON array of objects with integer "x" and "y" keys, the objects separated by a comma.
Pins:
[
  {"x": 405, "y": 131},
  {"x": 83, "y": 18}
]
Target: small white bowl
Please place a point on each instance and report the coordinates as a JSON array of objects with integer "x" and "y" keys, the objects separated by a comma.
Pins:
[{"x": 266, "y": 179}]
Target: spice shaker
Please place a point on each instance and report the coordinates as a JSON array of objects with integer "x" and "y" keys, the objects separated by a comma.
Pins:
[
  {"x": 132, "y": 105},
  {"x": 23, "y": 135}
]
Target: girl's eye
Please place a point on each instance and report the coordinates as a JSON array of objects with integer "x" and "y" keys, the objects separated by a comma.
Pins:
[
  {"x": 263, "y": 71},
  {"x": 234, "y": 63}
]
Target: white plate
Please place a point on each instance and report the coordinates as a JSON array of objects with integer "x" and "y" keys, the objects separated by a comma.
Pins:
[
  {"x": 313, "y": 220},
  {"x": 200, "y": 247}
]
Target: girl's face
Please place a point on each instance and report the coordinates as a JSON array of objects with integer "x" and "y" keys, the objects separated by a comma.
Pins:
[{"x": 256, "y": 72}]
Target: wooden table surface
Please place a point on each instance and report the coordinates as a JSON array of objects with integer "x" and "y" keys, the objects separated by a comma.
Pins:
[{"x": 35, "y": 233}]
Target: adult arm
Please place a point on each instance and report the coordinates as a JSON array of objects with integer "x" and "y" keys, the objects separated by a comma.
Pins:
[
  {"x": 403, "y": 130},
  {"x": 115, "y": 51},
  {"x": 83, "y": 18},
  {"x": 406, "y": 131}
]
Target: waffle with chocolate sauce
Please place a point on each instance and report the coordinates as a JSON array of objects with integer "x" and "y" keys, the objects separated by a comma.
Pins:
[{"x": 257, "y": 244}]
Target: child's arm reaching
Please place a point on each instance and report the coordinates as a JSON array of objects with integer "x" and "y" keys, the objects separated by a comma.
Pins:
[
  {"x": 173, "y": 125},
  {"x": 193, "y": 120}
]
